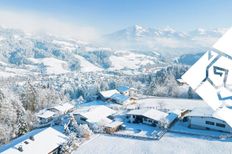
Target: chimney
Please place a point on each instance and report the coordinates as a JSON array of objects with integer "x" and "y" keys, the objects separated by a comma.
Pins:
[
  {"x": 32, "y": 138},
  {"x": 20, "y": 148}
]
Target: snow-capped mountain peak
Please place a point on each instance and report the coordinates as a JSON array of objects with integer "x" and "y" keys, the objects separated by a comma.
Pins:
[{"x": 166, "y": 40}]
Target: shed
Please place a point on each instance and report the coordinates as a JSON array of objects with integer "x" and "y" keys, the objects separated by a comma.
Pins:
[{"x": 113, "y": 126}]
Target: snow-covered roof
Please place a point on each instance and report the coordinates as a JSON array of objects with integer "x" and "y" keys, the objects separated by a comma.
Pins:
[
  {"x": 123, "y": 89},
  {"x": 202, "y": 111},
  {"x": 171, "y": 117},
  {"x": 180, "y": 80},
  {"x": 149, "y": 113},
  {"x": 109, "y": 93},
  {"x": 45, "y": 141},
  {"x": 104, "y": 121},
  {"x": 114, "y": 124},
  {"x": 45, "y": 114},
  {"x": 97, "y": 114},
  {"x": 223, "y": 113},
  {"x": 119, "y": 97},
  {"x": 63, "y": 108}
]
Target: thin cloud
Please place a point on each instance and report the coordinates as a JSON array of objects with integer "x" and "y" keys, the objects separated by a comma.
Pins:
[{"x": 34, "y": 23}]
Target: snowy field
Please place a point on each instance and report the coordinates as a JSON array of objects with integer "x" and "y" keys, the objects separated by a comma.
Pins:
[
  {"x": 54, "y": 66},
  {"x": 86, "y": 66},
  {"x": 129, "y": 60},
  {"x": 170, "y": 143}
]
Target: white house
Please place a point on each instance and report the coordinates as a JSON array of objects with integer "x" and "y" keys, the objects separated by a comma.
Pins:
[
  {"x": 206, "y": 118},
  {"x": 96, "y": 115},
  {"x": 120, "y": 97},
  {"x": 45, "y": 116},
  {"x": 62, "y": 109},
  {"x": 147, "y": 116},
  {"x": 106, "y": 95},
  {"x": 39, "y": 141}
]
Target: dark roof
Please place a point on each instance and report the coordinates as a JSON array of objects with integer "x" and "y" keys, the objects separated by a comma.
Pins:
[
  {"x": 119, "y": 97},
  {"x": 123, "y": 88}
]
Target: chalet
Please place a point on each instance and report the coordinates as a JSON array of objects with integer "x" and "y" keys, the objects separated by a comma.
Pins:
[
  {"x": 120, "y": 99},
  {"x": 62, "y": 109},
  {"x": 120, "y": 96},
  {"x": 45, "y": 116},
  {"x": 106, "y": 95},
  {"x": 43, "y": 141},
  {"x": 147, "y": 116},
  {"x": 100, "y": 115},
  {"x": 206, "y": 118}
]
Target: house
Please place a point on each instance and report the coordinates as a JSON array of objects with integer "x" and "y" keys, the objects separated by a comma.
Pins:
[
  {"x": 45, "y": 116},
  {"x": 147, "y": 116},
  {"x": 100, "y": 115},
  {"x": 206, "y": 118},
  {"x": 39, "y": 141},
  {"x": 106, "y": 95},
  {"x": 62, "y": 109},
  {"x": 120, "y": 99}
]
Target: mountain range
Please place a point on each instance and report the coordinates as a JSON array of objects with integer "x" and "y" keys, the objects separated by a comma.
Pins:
[
  {"x": 167, "y": 41},
  {"x": 133, "y": 49}
]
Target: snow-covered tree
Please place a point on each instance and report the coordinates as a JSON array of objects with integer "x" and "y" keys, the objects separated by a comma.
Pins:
[{"x": 70, "y": 145}]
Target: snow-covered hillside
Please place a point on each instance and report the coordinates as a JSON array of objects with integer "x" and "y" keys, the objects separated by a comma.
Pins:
[
  {"x": 46, "y": 54},
  {"x": 22, "y": 53}
]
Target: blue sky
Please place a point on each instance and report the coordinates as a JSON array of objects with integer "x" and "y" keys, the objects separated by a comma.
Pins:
[{"x": 106, "y": 16}]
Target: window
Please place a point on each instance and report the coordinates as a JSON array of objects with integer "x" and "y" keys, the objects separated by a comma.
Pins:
[
  {"x": 209, "y": 123},
  {"x": 82, "y": 119},
  {"x": 220, "y": 125}
]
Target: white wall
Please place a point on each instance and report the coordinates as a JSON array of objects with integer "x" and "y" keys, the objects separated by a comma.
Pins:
[{"x": 199, "y": 122}]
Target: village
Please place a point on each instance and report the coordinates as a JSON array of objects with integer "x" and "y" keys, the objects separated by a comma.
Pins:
[{"x": 120, "y": 112}]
